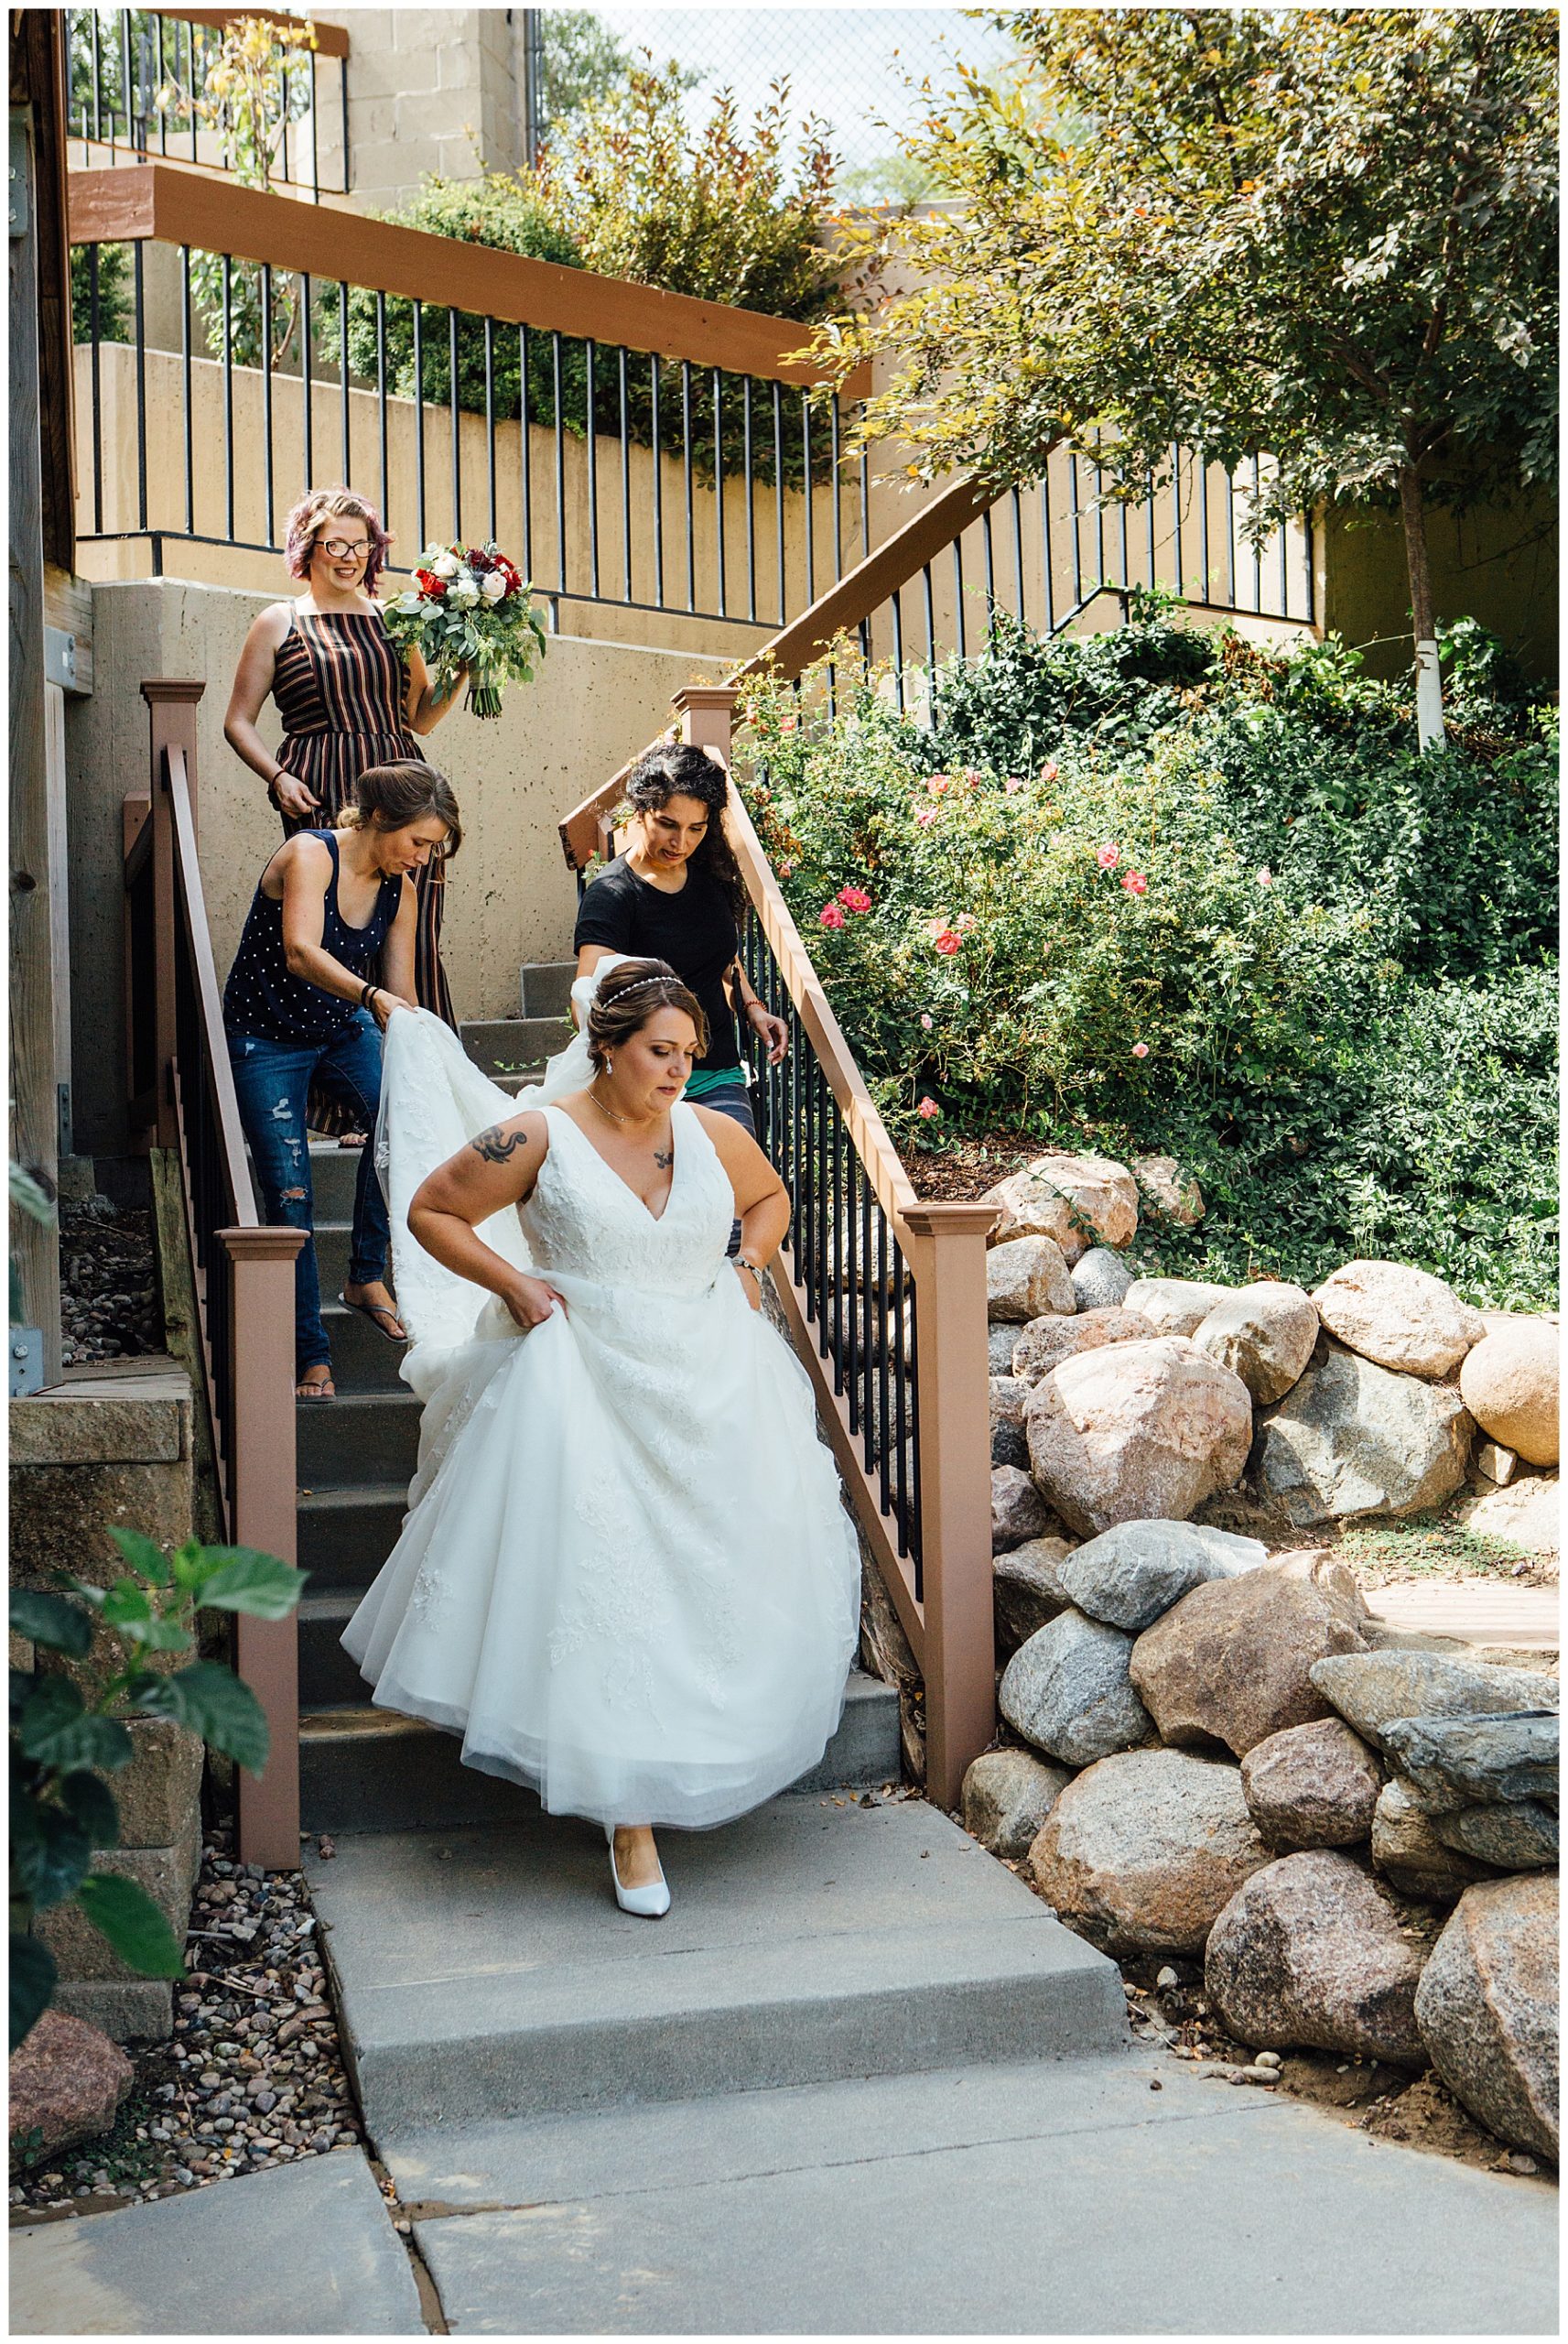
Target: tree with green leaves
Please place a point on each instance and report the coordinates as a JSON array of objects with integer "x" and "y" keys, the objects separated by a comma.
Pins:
[
  {"x": 1326, "y": 236},
  {"x": 66, "y": 1739}
]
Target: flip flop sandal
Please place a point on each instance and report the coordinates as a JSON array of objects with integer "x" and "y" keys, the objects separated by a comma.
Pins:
[
  {"x": 375, "y": 1312},
  {"x": 326, "y": 1390}
]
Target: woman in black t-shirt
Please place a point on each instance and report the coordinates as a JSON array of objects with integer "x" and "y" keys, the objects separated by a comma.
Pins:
[{"x": 677, "y": 896}]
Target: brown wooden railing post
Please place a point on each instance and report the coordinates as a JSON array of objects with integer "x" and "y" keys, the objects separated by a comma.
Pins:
[
  {"x": 706, "y": 712},
  {"x": 947, "y": 1255},
  {"x": 261, "y": 1319},
  {"x": 171, "y": 708}
]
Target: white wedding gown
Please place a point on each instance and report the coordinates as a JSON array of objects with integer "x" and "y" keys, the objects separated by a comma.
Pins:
[{"x": 627, "y": 1577}]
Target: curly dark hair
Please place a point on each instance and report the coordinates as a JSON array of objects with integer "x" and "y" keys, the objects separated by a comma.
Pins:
[
  {"x": 677, "y": 770},
  {"x": 629, "y": 996}
]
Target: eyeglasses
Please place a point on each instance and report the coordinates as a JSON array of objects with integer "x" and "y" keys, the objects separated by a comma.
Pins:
[{"x": 340, "y": 550}]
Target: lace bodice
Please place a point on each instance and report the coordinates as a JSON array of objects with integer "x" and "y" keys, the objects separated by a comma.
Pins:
[{"x": 583, "y": 1221}]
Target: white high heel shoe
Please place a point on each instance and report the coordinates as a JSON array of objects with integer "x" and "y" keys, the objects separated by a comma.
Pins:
[{"x": 651, "y": 1904}]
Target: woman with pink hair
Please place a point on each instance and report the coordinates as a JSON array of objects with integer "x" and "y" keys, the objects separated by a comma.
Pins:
[{"x": 348, "y": 698}]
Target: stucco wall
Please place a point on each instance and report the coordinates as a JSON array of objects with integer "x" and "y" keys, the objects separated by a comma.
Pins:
[
  {"x": 1498, "y": 564},
  {"x": 511, "y": 897}
]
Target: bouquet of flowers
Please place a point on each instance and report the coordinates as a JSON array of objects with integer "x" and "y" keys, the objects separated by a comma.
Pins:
[{"x": 469, "y": 607}]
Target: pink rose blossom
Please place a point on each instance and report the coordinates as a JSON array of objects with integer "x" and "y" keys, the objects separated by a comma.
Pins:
[
  {"x": 926, "y": 817},
  {"x": 830, "y": 917},
  {"x": 1109, "y": 856},
  {"x": 1140, "y": 1049},
  {"x": 940, "y": 785},
  {"x": 1265, "y": 877},
  {"x": 964, "y": 921},
  {"x": 972, "y": 779},
  {"x": 928, "y": 1108},
  {"x": 854, "y": 899},
  {"x": 926, "y": 1019},
  {"x": 1135, "y": 882},
  {"x": 947, "y": 942},
  {"x": 1013, "y": 784},
  {"x": 1049, "y": 770}
]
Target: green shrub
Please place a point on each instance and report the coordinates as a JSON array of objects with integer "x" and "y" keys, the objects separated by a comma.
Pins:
[{"x": 1157, "y": 890}]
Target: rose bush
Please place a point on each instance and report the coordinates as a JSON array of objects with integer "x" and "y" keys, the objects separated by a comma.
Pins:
[{"x": 1159, "y": 890}]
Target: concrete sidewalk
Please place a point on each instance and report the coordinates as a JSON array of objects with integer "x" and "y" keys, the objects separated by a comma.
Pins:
[
  {"x": 1034, "y": 2199},
  {"x": 305, "y": 2249}
]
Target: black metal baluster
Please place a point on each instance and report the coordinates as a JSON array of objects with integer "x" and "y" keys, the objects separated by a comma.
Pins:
[
  {"x": 96, "y": 345},
  {"x": 560, "y": 461},
  {"x": 283, "y": 123},
  {"x": 912, "y": 1374},
  {"x": 838, "y": 509},
  {"x": 269, "y": 485},
  {"x": 749, "y": 477},
  {"x": 489, "y": 424},
  {"x": 589, "y": 355},
  {"x": 1077, "y": 542},
  {"x": 658, "y": 462},
  {"x": 810, "y": 501},
  {"x": 419, "y": 424},
  {"x": 381, "y": 414},
  {"x": 1257, "y": 546},
  {"x": 928, "y": 594},
  {"x": 1176, "y": 517},
  {"x": 315, "y": 133},
  {"x": 162, "y": 79},
  {"x": 989, "y": 551},
  {"x": 1307, "y": 551},
  {"x": 779, "y": 496},
  {"x": 455, "y": 412},
  {"x": 897, "y": 601},
  {"x": 1046, "y": 553},
  {"x": 229, "y": 394},
  {"x": 823, "y": 1263},
  {"x": 900, "y": 1402},
  {"x": 865, "y": 506},
  {"x": 1284, "y": 573},
  {"x": 1230, "y": 537},
  {"x": 625, "y": 475},
  {"x": 884, "y": 1370},
  {"x": 685, "y": 458},
  {"x": 138, "y": 249},
  {"x": 718, "y": 486},
  {"x": 1149, "y": 512},
  {"x": 525, "y": 452},
  {"x": 836, "y": 1125},
  {"x": 1201, "y": 475},
  {"x": 867, "y": 1342},
  {"x": 1017, "y": 503},
  {"x": 958, "y": 595},
  {"x": 185, "y": 370},
  {"x": 98, "y": 82},
  {"x": 308, "y": 386}
]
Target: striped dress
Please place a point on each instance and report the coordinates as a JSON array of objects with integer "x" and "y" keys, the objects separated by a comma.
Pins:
[{"x": 341, "y": 689}]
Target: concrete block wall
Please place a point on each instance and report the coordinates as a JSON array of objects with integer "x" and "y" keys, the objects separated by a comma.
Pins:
[
  {"x": 431, "y": 91},
  {"x": 115, "y": 1448}
]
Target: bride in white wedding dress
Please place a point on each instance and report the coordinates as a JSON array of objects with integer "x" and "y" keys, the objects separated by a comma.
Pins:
[{"x": 626, "y": 1576}]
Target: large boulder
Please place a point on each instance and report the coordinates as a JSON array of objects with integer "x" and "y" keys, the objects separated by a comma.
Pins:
[
  {"x": 1311, "y": 1786},
  {"x": 1136, "y": 1432},
  {"x": 1100, "y": 1279},
  {"x": 1233, "y": 1662},
  {"x": 1351, "y": 1438},
  {"x": 1131, "y": 1575},
  {"x": 1408, "y": 1852},
  {"x": 1077, "y": 1199},
  {"x": 67, "y": 2082},
  {"x": 1018, "y": 1510},
  {"x": 1027, "y": 1590},
  {"x": 1174, "y": 1306},
  {"x": 1399, "y": 1318},
  {"x": 1370, "y": 1690},
  {"x": 1007, "y": 1796},
  {"x": 1509, "y": 1383},
  {"x": 1527, "y": 1512},
  {"x": 1143, "y": 1850},
  {"x": 1025, "y": 1278},
  {"x": 1263, "y": 1333},
  {"x": 1308, "y": 1955},
  {"x": 1046, "y": 1342},
  {"x": 1010, "y": 1445},
  {"x": 1174, "y": 1193},
  {"x": 1000, "y": 1340},
  {"x": 1456, "y": 1762},
  {"x": 1519, "y": 1836},
  {"x": 1486, "y": 2008},
  {"x": 1066, "y": 1690}
]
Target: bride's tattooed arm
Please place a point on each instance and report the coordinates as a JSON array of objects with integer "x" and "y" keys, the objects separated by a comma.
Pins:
[{"x": 498, "y": 1146}]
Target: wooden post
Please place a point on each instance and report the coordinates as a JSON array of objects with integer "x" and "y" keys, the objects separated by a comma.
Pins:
[
  {"x": 706, "y": 712},
  {"x": 35, "y": 1097},
  {"x": 947, "y": 1256},
  {"x": 171, "y": 711},
  {"x": 261, "y": 1441}
]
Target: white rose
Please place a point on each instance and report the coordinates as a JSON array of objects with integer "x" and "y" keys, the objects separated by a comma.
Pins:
[
  {"x": 492, "y": 585},
  {"x": 445, "y": 565},
  {"x": 463, "y": 595}
]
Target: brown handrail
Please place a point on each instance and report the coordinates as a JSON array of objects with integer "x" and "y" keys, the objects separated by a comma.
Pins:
[
  {"x": 789, "y": 653},
  {"x": 161, "y": 202},
  {"x": 331, "y": 40},
  {"x": 243, "y": 1273}
]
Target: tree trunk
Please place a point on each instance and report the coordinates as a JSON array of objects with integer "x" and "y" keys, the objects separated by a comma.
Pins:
[{"x": 1428, "y": 683}]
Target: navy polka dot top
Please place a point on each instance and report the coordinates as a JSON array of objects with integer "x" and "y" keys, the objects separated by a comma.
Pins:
[{"x": 263, "y": 996}]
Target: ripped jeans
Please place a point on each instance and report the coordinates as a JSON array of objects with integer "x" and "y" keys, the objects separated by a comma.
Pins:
[{"x": 273, "y": 1081}]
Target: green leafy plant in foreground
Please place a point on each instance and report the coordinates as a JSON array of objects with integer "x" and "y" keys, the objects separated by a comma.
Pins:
[{"x": 65, "y": 1741}]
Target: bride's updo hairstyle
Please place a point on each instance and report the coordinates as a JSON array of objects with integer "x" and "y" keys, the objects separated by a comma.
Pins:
[
  {"x": 629, "y": 996},
  {"x": 388, "y": 798},
  {"x": 676, "y": 769}
]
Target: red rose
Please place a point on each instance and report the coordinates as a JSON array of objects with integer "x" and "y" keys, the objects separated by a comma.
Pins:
[{"x": 433, "y": 588}]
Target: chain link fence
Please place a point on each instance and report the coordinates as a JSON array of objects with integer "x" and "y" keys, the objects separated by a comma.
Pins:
[{"x": 858, "y": 71}]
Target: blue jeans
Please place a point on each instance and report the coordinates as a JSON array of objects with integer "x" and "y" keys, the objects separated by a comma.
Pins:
[{"x": 273, "y": 1081}]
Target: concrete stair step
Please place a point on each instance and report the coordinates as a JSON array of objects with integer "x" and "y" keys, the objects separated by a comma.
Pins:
[
  {"x": 362, "y": 1357},
  {"x": 544, "y": 988},
  {"x": 503, "y": 1046},
  {"x": 367, "y": 1770},
  {"x": 359, "y": 1437},
  {"x": 487, "y": 1973},
  {"x": 345, "y": 1533}
]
